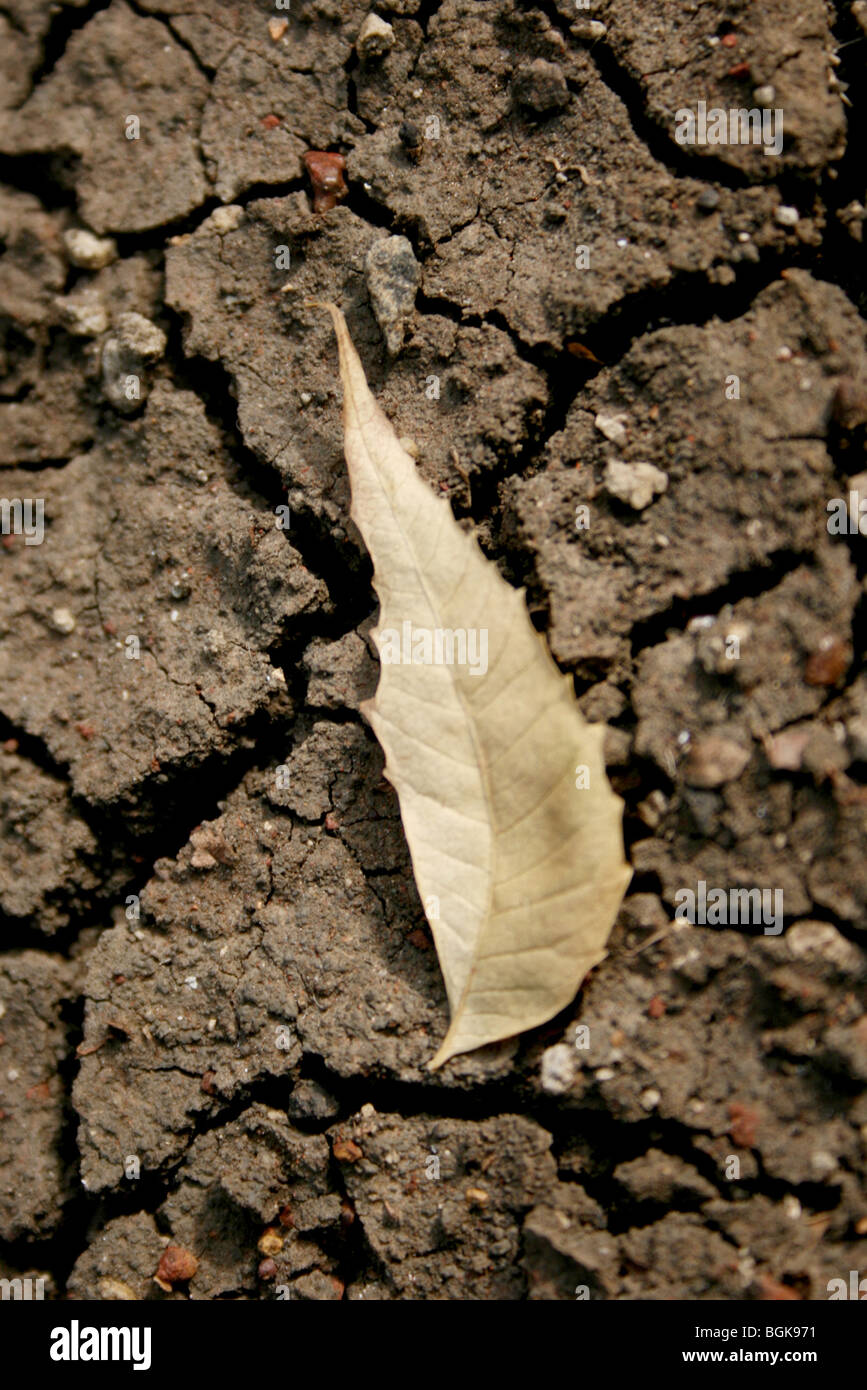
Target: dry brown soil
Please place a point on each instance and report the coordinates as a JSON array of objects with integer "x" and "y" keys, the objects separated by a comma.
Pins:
[{"x": 219, "y": 992}]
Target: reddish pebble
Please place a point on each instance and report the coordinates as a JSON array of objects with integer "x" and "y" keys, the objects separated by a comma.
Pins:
[
  {"x": 729, "y": 40},
  {"x": 326, "y": 176},
  {"x": 828, "y": 662},
  {"x": 267, "y": 1269},
  {"x": 739, "y": 70},
  {"x": 208, "y": 1079},
  {"x": 656, "y": 1007},
  {"x": 10, "y": 745},
  {"x": 176, "y": 1266},
  {"x": 270, "y": 122},
  {"x": 744, "y": 1120},
  {"x": 347, "y": 1151}
]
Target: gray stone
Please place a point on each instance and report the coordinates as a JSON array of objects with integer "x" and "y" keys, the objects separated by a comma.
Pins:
[
  {"x": 541, "y": 87},
  {"x": 393, "y": 276}
]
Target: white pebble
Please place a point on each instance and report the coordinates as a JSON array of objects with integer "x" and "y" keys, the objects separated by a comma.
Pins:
[
  {"x": 613, "y": 426},
  {"x": 558, "y": 1069},
  {"x": 589, "y": 30},
  {"x": 87, "y": 251},
  {"x": 62, "y": 620},
  {"x": 226, "y": 219},
  {"x": 375, "y": 38},
  {"x": 636, "y": 484}
]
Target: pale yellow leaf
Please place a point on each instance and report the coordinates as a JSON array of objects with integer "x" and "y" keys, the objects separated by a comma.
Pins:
[{"x": 525, "y": 869}]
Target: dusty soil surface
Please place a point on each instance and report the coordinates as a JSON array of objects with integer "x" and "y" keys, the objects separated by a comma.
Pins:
[{"x": 218, "y": 986}]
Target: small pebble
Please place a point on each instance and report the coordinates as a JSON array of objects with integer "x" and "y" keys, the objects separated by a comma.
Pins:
[
  {"x": 141, "y": 337},
  {"x": 714, "y": 760},
  {"x": 828, "y": 663},
  {"x": 326, "y": 175},
  {"x": 176, "y": 1266},
  {"x": 87, "y": 251},
  {"x": 84, "y": 312},
  {"x": 558, "y": 1069},
  {"x": 588, "y": 30},
  {"x": 765, "y": 96},
  {"x": 786, "y": 216},
  {"x": 821, "y": 942},
  {"x": 310, "y": 1101},
  {"x": 612, "y": 426},
  {"x": 226, "y": 219},
  {"x": 540, "y": 87},
  {"x": 277, "y": 28},
  {"x": 410, "y": 137},
  {"x": 409, "y": 134},
  {"x": 63, "y": 621},
  {"x": 393, "y": 276},
  {"x": 785, "y": 750},
  {"x": 708, "y": 200},
  {"x": 270, "y": 1241},
  {"x": 636, "y": 484},
  {"x": 375, "y": 38}
]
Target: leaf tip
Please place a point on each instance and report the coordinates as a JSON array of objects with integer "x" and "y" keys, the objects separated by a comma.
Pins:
[{"x": 443, "y": 1054}]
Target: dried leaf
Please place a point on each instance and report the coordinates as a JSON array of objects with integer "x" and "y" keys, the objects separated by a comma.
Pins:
[{"x": 520, "y": 868}]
